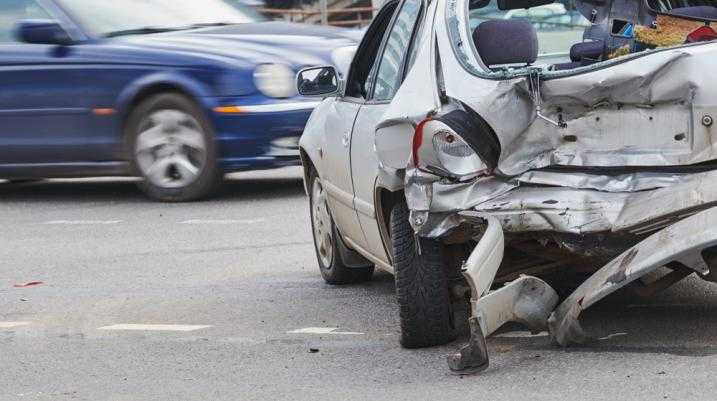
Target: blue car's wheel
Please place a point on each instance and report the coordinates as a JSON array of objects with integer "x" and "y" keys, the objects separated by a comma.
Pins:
[{"x": 173, "y": 148}]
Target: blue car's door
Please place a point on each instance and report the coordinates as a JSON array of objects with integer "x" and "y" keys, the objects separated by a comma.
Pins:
[{"x": 46, "y": 115}]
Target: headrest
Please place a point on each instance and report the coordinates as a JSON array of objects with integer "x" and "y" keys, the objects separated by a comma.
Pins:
[
  {"x": 587, "y": 50},
  {"x": 506, "y": 42}
]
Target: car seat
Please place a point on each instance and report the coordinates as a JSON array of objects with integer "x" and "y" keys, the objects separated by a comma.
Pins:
[
  {"x": 582, "y": 54},
  {"x": 502, "y": 42}
]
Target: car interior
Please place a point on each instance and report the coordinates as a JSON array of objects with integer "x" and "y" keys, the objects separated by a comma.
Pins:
[{"x": 615, "y": 29}]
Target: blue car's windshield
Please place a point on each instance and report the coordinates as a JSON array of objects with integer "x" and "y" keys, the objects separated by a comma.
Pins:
[{"x": 120, "y": 17}]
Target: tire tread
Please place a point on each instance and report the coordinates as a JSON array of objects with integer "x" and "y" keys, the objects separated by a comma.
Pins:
[{"x": 421, "y": 286}]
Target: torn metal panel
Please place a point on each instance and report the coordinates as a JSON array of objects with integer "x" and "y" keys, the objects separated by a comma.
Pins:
[
  {"x": 644, "y": 111},
  {"x": 527, "y": 203},
  {"x": 681, "y": 242},
  {"x": 555, "y": 209},
  {"x": 631, "y": 182},
  {"x": 639, "y": 111},
  {"x": 653, "y": 209},
  {"x": 568, "y": 209},
  {"x": 526, "y": 300}
]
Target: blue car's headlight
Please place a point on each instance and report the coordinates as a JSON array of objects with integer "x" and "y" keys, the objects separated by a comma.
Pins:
[{"x": 275, "y": 80}]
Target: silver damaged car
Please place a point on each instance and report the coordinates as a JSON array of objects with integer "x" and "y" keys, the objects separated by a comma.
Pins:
[{"x": 488, "y": 152}]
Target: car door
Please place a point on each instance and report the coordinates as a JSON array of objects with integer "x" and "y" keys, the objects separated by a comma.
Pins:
[
  {"x": 339, "y": 125},
  {"x": 45, "y": 96},
  {"x": 396, "y": 58},
  {"x": 337, "y": 177}
]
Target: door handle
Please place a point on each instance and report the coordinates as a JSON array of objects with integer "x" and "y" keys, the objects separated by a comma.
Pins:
[{"x": 345, "y": 138}]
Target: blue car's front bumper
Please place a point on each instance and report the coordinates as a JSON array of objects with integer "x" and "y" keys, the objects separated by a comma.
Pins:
[{"x": 261, "y": 134}]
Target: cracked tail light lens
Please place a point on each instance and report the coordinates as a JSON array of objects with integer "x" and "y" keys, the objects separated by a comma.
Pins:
[
  {"x": 456, "y": 155},
  {"x": 436, "y": 147}
]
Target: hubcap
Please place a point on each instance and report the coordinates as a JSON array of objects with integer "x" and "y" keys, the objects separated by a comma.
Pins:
[
  {"x": 170, "y": 149},
  {"x": 321, "y": 219}
]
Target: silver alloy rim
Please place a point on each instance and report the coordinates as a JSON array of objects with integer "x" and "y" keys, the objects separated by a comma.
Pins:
[
  {"x": 323, "y": 234},
  {"x": 170, "y": 148}
]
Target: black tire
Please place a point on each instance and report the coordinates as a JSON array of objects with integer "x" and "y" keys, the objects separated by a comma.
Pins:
[
  {"x": 421, "y": 286},
  {"x": 208, "y": 177},
  {"x": 334, "y": 270}
]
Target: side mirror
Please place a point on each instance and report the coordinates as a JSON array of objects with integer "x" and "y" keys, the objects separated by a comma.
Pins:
[
  {"x": 318, "y": 81},
  {"x": 41, "y": 31},
  {"x": 518, "y": 4}
]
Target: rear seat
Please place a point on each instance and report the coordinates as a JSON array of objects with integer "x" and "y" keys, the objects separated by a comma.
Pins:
[{"x": 582, "y": 54}]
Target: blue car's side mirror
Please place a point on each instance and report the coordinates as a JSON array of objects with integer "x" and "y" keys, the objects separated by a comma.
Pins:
[{"x": 41, "y": 31}]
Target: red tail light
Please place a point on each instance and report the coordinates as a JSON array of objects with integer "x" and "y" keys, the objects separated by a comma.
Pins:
[{"x": 418, "y": 140}]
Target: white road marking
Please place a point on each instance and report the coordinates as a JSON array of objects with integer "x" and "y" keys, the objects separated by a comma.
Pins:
[
  {"x": 155, "y": 327},
  {"x": 609, "y": 336},
  {"x": 521, "y": 334},
  {"x": 223, "y": 221},
  {"x": 322, "y": 330},
  {"x": 82, "y": 222},
  {"x": 10, "y": 325}
]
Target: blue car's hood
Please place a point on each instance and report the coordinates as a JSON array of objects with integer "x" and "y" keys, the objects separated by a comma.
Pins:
[{"x": 253, "y": 43}]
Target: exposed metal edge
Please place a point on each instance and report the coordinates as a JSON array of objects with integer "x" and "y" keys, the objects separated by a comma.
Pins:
[{"x": 681, "y": 242}]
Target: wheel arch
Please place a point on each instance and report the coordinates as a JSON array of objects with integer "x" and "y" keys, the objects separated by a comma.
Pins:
[
  {"x": 306, "y": 166},
  {"x": 385, "y": 199},
  {"x": 148, "y": 86}
]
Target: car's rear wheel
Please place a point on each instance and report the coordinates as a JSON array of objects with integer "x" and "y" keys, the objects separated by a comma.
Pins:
[
  {"x": 326, "y": 240},
  {"x": 421, "y": 285},
  {"x": 173, "y": 148}
]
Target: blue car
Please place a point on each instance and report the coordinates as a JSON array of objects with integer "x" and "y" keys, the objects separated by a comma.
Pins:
[{"x": 178, "y": 92}]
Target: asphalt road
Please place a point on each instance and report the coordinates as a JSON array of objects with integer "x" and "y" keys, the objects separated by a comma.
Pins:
[{"x": 234, "y": 276}]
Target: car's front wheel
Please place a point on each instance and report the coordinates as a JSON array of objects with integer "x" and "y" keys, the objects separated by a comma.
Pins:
[
  {"x": 421, "y": 285},
  {"x": 173, "y": 148},
  {"x": 326, "y": 240}
]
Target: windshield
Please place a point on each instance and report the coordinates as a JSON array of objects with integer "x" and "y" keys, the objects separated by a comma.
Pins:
[
  {"x": 559, "y": 25},
  {"x": 105, "y": 18}
]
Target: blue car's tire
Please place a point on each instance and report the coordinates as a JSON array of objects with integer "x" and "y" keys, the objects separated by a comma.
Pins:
[{"x": 172, "y": 147}]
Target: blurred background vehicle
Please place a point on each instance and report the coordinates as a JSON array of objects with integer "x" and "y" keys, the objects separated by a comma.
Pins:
[{"x": 178, "y": 92}]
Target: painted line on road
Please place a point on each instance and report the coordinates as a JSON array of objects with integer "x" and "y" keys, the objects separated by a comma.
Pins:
[
  {"x": 154, "y": 327},
  {"x": 613, "y": 335},
  {"x": 10, "y": 325},
  {"x": 223, "y": 221},
  {"x": 322, "y": 330},
  {"x": 82, "y": 222}
]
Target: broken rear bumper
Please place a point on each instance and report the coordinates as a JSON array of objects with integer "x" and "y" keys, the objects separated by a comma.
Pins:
[{"x": 531, "y": 301}]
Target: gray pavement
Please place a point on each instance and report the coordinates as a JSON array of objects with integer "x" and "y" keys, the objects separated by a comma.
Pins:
[{"x": 243, "y": 265}]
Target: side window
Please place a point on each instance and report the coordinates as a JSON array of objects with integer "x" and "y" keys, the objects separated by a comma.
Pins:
[
  {"x": 390, "y": 71},
  {"x": 357, "y": 83},
  {"x": 12, "y": 11}
]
